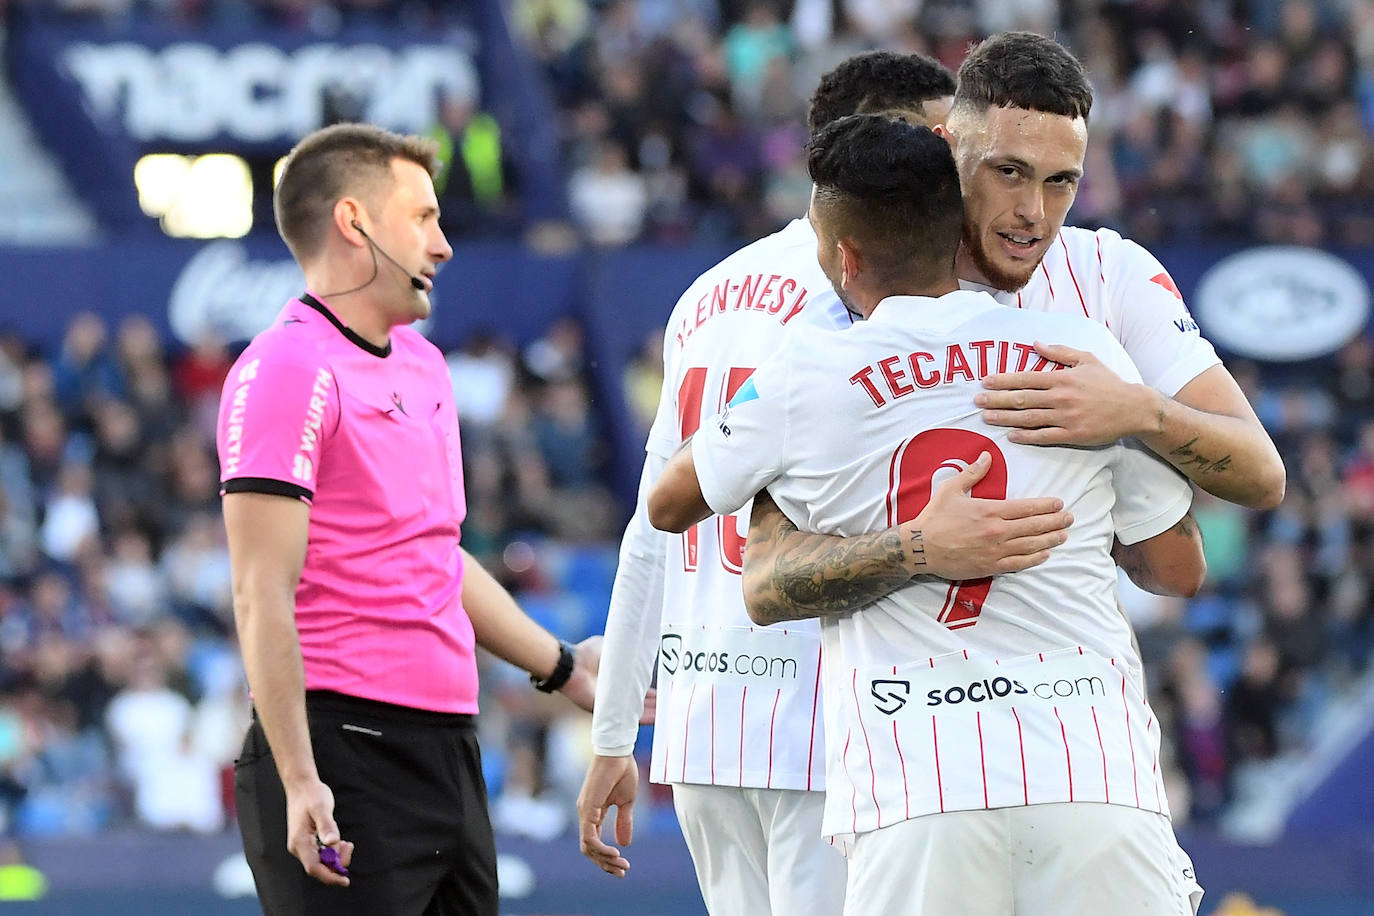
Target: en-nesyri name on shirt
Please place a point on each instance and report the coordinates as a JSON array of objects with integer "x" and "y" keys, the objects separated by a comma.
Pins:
[{"x": 773, "y": 294}]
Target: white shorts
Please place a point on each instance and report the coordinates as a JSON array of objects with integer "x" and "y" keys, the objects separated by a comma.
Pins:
[
  {"x": 1041, "y": 860},
  {"x": 760, "y": 851}
]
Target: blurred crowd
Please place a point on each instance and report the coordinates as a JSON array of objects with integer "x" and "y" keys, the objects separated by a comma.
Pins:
[
  {"x": 1221, "y": 119},
  {"x": 684, "y": 119},
  {"x": 121, "y": 693}
]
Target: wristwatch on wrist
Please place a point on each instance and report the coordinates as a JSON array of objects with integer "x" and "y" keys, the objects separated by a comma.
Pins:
[{"x": 561, "y": 671}]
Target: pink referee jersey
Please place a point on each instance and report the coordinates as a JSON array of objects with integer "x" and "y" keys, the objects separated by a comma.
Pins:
[{"x": 368, "y": 437}]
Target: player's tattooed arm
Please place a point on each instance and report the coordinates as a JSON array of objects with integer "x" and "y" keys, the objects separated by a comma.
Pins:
[
  {"x": 792, "y": 575},
  {"x": 1207, "y": 430},
  {"x": 1171, "y": 563}
]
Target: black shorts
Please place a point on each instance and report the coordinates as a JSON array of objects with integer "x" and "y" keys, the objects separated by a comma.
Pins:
[{"x": 408, "y": 793}]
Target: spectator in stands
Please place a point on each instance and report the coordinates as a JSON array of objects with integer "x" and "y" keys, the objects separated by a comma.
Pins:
[
  {"x": 475, "y": 180},
  {"x": 608, "y": 198},
  {"x": 643, "y": 382},
  {"x": 84, "y": 371},
  {"x": 174, "y": 785}
]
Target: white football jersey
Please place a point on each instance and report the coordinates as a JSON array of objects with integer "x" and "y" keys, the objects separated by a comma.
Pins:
[
  {"x": 1022, "y": 689},
  {"x": 738, "y": 704},
  {"x": 1116, "y": 282}
]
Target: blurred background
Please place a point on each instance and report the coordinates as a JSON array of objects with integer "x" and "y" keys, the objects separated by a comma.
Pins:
[{"x": 600, "y": 155}]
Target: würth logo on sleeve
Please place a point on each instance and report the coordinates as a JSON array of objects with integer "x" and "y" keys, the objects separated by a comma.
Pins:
[
  {"x": 889, "y": 695},
  {"x": 303, "y": 467}
]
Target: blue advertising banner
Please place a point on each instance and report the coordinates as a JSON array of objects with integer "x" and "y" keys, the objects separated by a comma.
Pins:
[
  {"x": 1308, "y": 304},
  {"x": 233, "y": 289},
  {"x": 152, "y": 86},
  {"x": 233, "y": 90}
]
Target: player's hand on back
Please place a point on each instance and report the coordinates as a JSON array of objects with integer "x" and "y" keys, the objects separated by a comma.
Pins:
[
  {"x": 611, "y": 782},
  {"x": 310, "y": 826},
  {"x": 959, "y": 536},
  {"x": 1085, "y": 404}
]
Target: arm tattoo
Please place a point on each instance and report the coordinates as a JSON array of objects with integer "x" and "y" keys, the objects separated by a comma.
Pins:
[
  {"x": 813, "y": 575},
  {"x": 1132, "y": 561},
  {"x": 1188, "y": 457}
]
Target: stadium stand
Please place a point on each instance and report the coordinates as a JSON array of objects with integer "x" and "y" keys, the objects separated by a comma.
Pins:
[{"x": 679, "y": 128}]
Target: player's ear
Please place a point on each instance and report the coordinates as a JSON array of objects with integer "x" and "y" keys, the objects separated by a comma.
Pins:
[{"x": 851, "y": 261}]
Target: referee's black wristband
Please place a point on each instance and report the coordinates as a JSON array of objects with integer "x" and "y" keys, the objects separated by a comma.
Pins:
[{"x": 561, "y": 671}]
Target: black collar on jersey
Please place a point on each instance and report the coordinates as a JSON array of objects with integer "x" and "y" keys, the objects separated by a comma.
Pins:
[{"x": 345, "y": 330}]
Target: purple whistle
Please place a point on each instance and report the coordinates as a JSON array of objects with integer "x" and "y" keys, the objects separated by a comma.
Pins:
[{"x": 329, "y": 857}]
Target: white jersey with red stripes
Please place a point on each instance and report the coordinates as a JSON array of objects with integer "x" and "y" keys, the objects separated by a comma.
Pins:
[
  {"x": 1112, "y": 280},
  {"x": 738, "y": 705},
  {"x": 1023, "y": 689}
]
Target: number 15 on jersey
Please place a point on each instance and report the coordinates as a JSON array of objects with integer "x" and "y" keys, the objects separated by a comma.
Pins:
[{"x": 691, "y": 411}]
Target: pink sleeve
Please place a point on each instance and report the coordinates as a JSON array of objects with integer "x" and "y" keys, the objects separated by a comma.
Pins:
[{"x": 275, "y": 414}]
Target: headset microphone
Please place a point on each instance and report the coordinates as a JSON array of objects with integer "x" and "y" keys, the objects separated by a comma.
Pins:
[{"x": 414, "y": 280}]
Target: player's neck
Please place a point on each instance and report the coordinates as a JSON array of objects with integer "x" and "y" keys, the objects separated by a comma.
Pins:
[
  {"x": 932, "y": 290},
  {"x": 967, "y": 268}
]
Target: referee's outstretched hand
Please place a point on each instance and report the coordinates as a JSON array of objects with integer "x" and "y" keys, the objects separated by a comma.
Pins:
[{"x": 310, "y": 826}]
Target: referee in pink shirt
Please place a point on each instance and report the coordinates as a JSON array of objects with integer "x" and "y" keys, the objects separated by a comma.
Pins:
[{"x": 360, "y": 784}]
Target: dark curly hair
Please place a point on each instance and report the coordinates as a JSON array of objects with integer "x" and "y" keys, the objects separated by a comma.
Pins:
[{"x": 877, "y": 82}]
